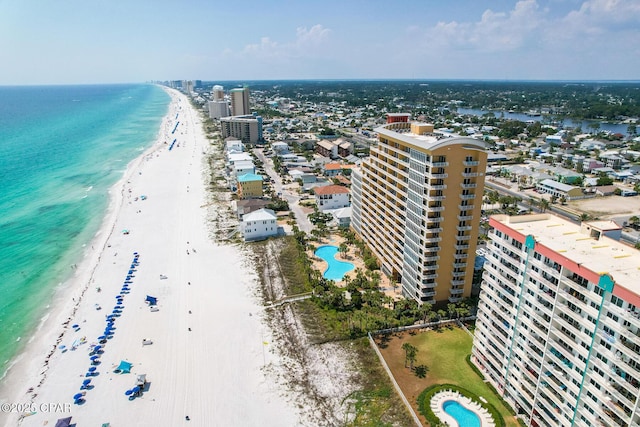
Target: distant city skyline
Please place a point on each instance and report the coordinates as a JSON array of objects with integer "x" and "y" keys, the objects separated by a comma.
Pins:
[{"x": 79, "y": 42}]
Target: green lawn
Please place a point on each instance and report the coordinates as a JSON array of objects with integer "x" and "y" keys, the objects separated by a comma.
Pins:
[{"x": 444, "y": 353}]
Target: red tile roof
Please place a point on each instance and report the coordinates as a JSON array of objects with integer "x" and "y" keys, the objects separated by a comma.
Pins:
[{"x": 331, "y": 189}]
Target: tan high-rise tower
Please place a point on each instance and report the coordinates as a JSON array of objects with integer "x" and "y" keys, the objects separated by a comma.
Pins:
[
  {"x": 240, "y": 101},
  {"x": 416, "y": 202}
]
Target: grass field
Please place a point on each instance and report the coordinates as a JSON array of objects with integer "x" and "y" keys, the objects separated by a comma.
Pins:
[{"x": 443, "y": 352}]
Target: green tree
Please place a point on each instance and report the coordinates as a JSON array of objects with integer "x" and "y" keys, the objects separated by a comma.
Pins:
[
  {"x": 410, "y": 353},
  {"x": 343, "y": 249},
  {"x": 544, "y": 205},
  {"x": 604, "y": 180}
]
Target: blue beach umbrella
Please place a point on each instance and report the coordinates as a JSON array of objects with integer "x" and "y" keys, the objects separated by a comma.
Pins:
[
  {"x": 92, "y": 369},
  {"x": 101, "y": 337},
  {"x": 94, "y": 357},
  {"x": 78, "y": 396},
  {"x": 86, "y": 382},
  {"x": 96, "y": 348}
]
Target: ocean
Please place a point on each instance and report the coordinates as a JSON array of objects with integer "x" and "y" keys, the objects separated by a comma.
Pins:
[{"x": 61, "y": 149}]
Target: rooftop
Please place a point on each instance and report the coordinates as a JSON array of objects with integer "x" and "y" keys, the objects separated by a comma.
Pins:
[
  {"x": 331, "y": 189},
  {"x": 601, "y": 256},
  {"x": 423, "y": 135}
]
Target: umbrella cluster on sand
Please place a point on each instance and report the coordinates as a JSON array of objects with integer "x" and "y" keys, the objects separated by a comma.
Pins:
[{"x": 98, "y": 349}]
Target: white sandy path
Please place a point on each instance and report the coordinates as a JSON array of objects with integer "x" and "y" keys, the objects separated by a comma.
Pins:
[{"x": 213, "y": 372}]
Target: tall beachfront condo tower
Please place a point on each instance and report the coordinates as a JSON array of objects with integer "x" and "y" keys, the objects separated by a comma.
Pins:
[
  {"x": 416, "y": 202},
  {"x": 558, "y": 327},
  {"x": 240, "y": 101},
  {"x": 218, "y": 93}
]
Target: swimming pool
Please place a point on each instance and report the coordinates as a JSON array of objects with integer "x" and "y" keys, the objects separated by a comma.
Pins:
[
  {"x": 462, "y": 415},
  {"x": 337, "y": 269}
]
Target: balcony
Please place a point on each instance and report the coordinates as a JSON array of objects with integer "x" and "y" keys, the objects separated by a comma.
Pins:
[
  {"x": 437, "y": 164},
  {"x": 467, "y": 196},
  {"x": 438, "y": 187},
  {"x": 464, "y": 228},
  {"x": 461, "y": 247},
  {"x": 432, "y": 239},
  {"x": 434, "y": 198},
  {"x": 433, "y": 219},
  {"x": 436, "y": 175},
  {"x": 470, "y": 174},
  {"x": 461, "y": 256},
  {"x": 464, "y": 218},
  {"x": 456, "y": 291},
  {"x": 459, "y": 264},
  {"x": 435, "y": 208},
  {"x": 470, "y": 163},
  {"x": 457, "y": 282},
  {"x": 468, "y": 186}
]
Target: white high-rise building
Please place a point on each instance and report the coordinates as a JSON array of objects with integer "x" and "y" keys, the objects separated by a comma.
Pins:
[
  {"x": 558, "y": 326},
  {"x": 218, "y": 109},
  {"x": 218, "y": 93}
]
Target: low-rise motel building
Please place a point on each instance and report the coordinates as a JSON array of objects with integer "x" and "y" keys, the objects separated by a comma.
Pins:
[
  {"x": 558, "y": 326},
  {"x": 416, "y": 202}
]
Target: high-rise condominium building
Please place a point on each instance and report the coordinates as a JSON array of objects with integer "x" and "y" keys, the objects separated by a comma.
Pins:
[
  {"x": 416, "y": 203},
  {"x": 218, "y": 93},
  {"x": 240, "y": 101},
  {"x": 558, "y": 327},
  {"x": 247, "y": 128}
]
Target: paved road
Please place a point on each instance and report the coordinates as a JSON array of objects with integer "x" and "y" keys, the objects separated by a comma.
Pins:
[{"x": 291, "y": 197}]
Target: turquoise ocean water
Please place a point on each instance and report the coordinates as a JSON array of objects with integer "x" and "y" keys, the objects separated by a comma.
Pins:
[{"x": 61, "y": 149}]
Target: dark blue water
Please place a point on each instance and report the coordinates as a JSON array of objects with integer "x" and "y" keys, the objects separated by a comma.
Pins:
[{"x": 584, "y": 124}]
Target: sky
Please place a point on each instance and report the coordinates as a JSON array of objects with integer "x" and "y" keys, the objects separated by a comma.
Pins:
[{"x": 128, "y": 41}]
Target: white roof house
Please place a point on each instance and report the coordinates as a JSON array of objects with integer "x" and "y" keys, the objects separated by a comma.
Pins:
[
  {"x": 234, "y": 145},
  {"x": 259, "y": 225},
  {"x": 243, "y": 167}
]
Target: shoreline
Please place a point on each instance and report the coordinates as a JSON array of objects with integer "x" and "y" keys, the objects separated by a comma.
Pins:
[
  {"x": 42, "y": 374},
  {"x": 73, "y": 285}
]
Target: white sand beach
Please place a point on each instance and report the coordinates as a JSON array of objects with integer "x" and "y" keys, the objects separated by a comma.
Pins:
[{"x": 209, "y": 344}]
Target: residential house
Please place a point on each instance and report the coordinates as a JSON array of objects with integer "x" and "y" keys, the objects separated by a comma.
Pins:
[
  {"x": 259, "y": 225},
  {"x": 332, "y": 197},
  {"x": 249, "y": 185}
]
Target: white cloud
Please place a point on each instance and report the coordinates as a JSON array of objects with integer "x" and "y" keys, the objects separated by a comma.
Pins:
[
  {"x": 307, "y": 43},
  {"x": 597, "y": 38},
  {"x": 494, "y": 32}
]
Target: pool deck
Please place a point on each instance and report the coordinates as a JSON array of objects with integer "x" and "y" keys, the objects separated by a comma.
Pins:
[{"x": 438, "y": 400}]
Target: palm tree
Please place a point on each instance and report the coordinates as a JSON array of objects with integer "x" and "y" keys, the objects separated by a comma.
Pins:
[
  {"x": 424, "y": 311},
  {"x": 343, "y": 249},
  {"x": 544, "y": 204},
  {"x": 409, "y": 354}
]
